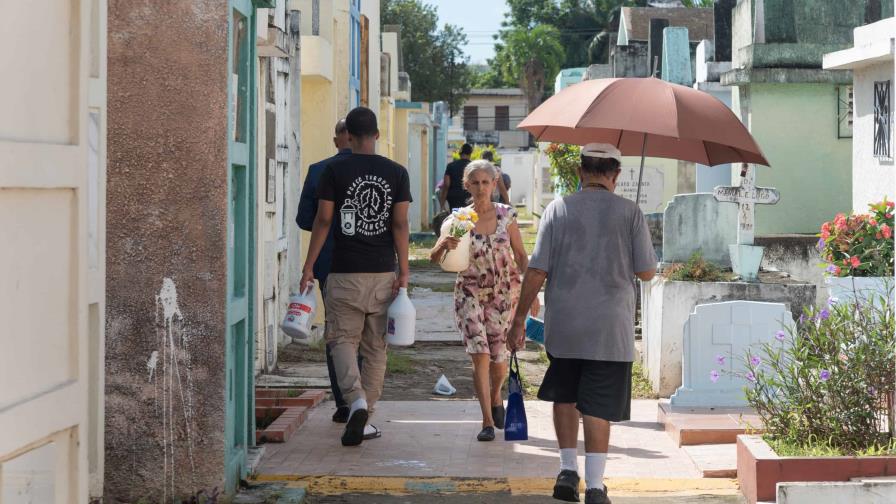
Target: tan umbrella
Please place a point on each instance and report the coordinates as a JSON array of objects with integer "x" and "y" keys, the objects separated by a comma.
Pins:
[{"x": 646, "y": 117}]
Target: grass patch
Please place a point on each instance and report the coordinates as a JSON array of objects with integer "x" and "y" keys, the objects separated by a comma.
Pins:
[
  {"x": 816, "y": 448},
  {"x": 399, "y": 364},
  {"x": 421, "y": 263},
  {"x": 641, "y": 388},
  {"x": 543, "y": 357},
  {"x": 419, "y": 249},
  {"x": 292, "y": 393},
  {"x": 697, "y": 269}
]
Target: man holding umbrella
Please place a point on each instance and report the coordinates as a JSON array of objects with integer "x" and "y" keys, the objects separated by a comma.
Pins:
[{"x": 590, "y": 246}]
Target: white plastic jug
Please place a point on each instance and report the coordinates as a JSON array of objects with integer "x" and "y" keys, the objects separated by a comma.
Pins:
[
  {"x": 300, "y": 315},
  {"x": 456, "y": 260},
  {"x": 401, "y": 320}
]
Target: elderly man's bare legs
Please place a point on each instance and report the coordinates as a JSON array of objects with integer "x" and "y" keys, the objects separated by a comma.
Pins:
[{"x": 597, "y": 443}]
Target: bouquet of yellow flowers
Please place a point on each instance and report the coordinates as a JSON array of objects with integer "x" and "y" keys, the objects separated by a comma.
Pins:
[{"x": 463, "y": 221}]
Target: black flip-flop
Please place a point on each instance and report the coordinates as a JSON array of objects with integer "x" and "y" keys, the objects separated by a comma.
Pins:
[
  {"x": 486, "y": 434},
  {"x": 377, "y": 433},
  {"x": 354, "y": 429}
]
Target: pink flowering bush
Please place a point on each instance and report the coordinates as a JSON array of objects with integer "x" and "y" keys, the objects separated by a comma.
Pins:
[
  {"x": 829, "y": 381},
  {"x": 859, "y": 245}
]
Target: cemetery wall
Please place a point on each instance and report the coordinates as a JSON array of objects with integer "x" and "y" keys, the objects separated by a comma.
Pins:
[
  {"x": 796, "y": 125},
  {"x": 166, "y": 282},
  {"x": 873, "y": 178}
]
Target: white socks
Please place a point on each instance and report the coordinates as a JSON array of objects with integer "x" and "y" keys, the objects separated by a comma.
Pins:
[
  {"x": 569, "y": 460},
  {"x": 360, "y": 403},
  {"x": 595, "y": 463}
]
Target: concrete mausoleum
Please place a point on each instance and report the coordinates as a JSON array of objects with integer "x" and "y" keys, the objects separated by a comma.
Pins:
[
  {"x": 871, "y": 100},
  {"x": 790, "y": 104}
]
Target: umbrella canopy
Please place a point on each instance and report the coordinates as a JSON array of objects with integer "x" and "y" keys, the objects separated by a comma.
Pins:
[{"x": 645, "y": 116}]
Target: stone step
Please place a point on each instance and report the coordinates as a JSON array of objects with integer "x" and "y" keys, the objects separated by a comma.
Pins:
[
  {"x": 706, "y": 426},
  {"x": 714, "y": 460}
]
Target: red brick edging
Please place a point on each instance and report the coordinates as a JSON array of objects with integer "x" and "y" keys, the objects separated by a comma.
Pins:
[{"x": 293, "y": 411}]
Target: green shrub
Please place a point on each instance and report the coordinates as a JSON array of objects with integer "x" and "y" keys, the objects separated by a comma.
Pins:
[{"x": 826, "y": 385}]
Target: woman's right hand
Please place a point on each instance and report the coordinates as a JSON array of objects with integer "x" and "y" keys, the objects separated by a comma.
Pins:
[
  {"x": 449, "y": 242},
  {"x": 444, "y": 244}
]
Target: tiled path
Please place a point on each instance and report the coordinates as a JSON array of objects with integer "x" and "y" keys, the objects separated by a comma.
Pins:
[{"x": 437, "y": 439}]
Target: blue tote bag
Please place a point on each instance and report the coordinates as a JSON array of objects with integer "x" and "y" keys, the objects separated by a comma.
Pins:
[{"x": 515, "y": 427}]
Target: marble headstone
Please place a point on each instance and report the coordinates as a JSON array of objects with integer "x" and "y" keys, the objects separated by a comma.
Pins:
[
  {"x": 717, "y": 339},
  {"x": 676, "y": 67},
  {"x": 698, "y": 223},
  {"x": 652, "y": 186}
]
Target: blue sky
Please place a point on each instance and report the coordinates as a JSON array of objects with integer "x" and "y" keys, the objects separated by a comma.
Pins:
[{"x": 479, "y": 19}]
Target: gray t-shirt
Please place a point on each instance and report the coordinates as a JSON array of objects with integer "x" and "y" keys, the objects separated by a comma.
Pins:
[{"x": 591, "y": 243}]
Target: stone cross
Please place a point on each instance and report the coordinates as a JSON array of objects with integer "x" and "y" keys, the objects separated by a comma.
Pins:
[{"x": 746, "y": 195}]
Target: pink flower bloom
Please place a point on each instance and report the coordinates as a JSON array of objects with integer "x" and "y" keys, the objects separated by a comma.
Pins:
[
  {"x": 714, "y": 376},
  {"x": 755, "y": 361},
  {"x": 854, "y": 261},
  {"x": 751, "y": 377},
  {"x": 780, "y": 335},
  {"x": 720, "y": 360},
  {"x": 887, "y": 232}
]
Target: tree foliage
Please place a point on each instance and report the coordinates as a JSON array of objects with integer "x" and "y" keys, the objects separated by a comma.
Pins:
[
  {"x": 584, "y": 30},
  {"x": 532, "y": 57},
  {"x": 433, "y": 58}
]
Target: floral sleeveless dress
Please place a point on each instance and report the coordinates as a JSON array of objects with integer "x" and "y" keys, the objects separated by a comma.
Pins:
[{"x": 486, "y": 294}]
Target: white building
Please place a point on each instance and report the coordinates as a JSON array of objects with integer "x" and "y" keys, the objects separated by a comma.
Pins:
[
  {"x": 490, "y": 116},
  {"x": 871, "y": 60}
]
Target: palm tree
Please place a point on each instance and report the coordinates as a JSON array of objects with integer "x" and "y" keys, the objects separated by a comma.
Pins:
[{"x": 531, "y": 57}]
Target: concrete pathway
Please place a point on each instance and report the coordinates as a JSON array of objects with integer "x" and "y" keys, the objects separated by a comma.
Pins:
[
  {"x": 513, "y": 499},
  {"x": 437, "y": 438}
]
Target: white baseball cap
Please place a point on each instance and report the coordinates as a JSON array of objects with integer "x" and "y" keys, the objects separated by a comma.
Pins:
[{"x": 602, "y": 150}]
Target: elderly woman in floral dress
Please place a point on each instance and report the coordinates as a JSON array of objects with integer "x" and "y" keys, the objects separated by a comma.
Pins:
[{"x": 486, "y": 294}]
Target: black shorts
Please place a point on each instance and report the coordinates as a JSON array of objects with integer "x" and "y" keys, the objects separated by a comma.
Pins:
[{"x": 601, "y": 389}]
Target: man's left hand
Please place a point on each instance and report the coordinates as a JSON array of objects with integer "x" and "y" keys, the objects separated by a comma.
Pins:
[{"x": 516, "y": 336}]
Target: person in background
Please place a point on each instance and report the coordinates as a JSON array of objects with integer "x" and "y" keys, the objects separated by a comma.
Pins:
[
  {"x": 453, "y": 191},
  {"x": 486, "y": 294},
  {"x": 305, "y": 219},
  {"x": 501, "y": 193},
  {"x": 590, "y": 246},
  {"x": 364, "y": 197}
]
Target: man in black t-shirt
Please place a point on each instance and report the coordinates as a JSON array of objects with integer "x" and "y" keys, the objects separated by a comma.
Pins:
[
  {"x": 453, "y": 184},
  {"x": 366, "y": 197}
]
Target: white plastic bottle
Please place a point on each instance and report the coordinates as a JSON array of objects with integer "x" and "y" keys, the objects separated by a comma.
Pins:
[
  {"x": 300, "y": 315},
  {"x": 401, "y": 320}
]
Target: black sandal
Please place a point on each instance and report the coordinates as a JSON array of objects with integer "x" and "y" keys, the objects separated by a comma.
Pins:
[{"x": 486, "y": 434}]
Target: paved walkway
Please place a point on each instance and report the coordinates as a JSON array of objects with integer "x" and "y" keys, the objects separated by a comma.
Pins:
[{"x": 437, "y": 438}]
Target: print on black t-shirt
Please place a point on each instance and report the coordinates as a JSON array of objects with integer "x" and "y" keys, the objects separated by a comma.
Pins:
[
  {"x": 373, "y": 211},
  {"x": 364, "y": 189}
]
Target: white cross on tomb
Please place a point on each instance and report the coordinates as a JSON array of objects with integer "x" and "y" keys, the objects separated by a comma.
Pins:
[{"x": 746, "y": 195}]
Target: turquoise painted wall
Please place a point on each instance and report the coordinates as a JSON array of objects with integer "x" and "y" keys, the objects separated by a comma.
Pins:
[{"x": 796, "y": 127}]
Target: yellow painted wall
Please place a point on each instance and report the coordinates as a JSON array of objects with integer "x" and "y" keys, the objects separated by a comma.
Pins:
[
  {"x": 400, "y": 136},
  {"x": 318, "y": 118}
]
